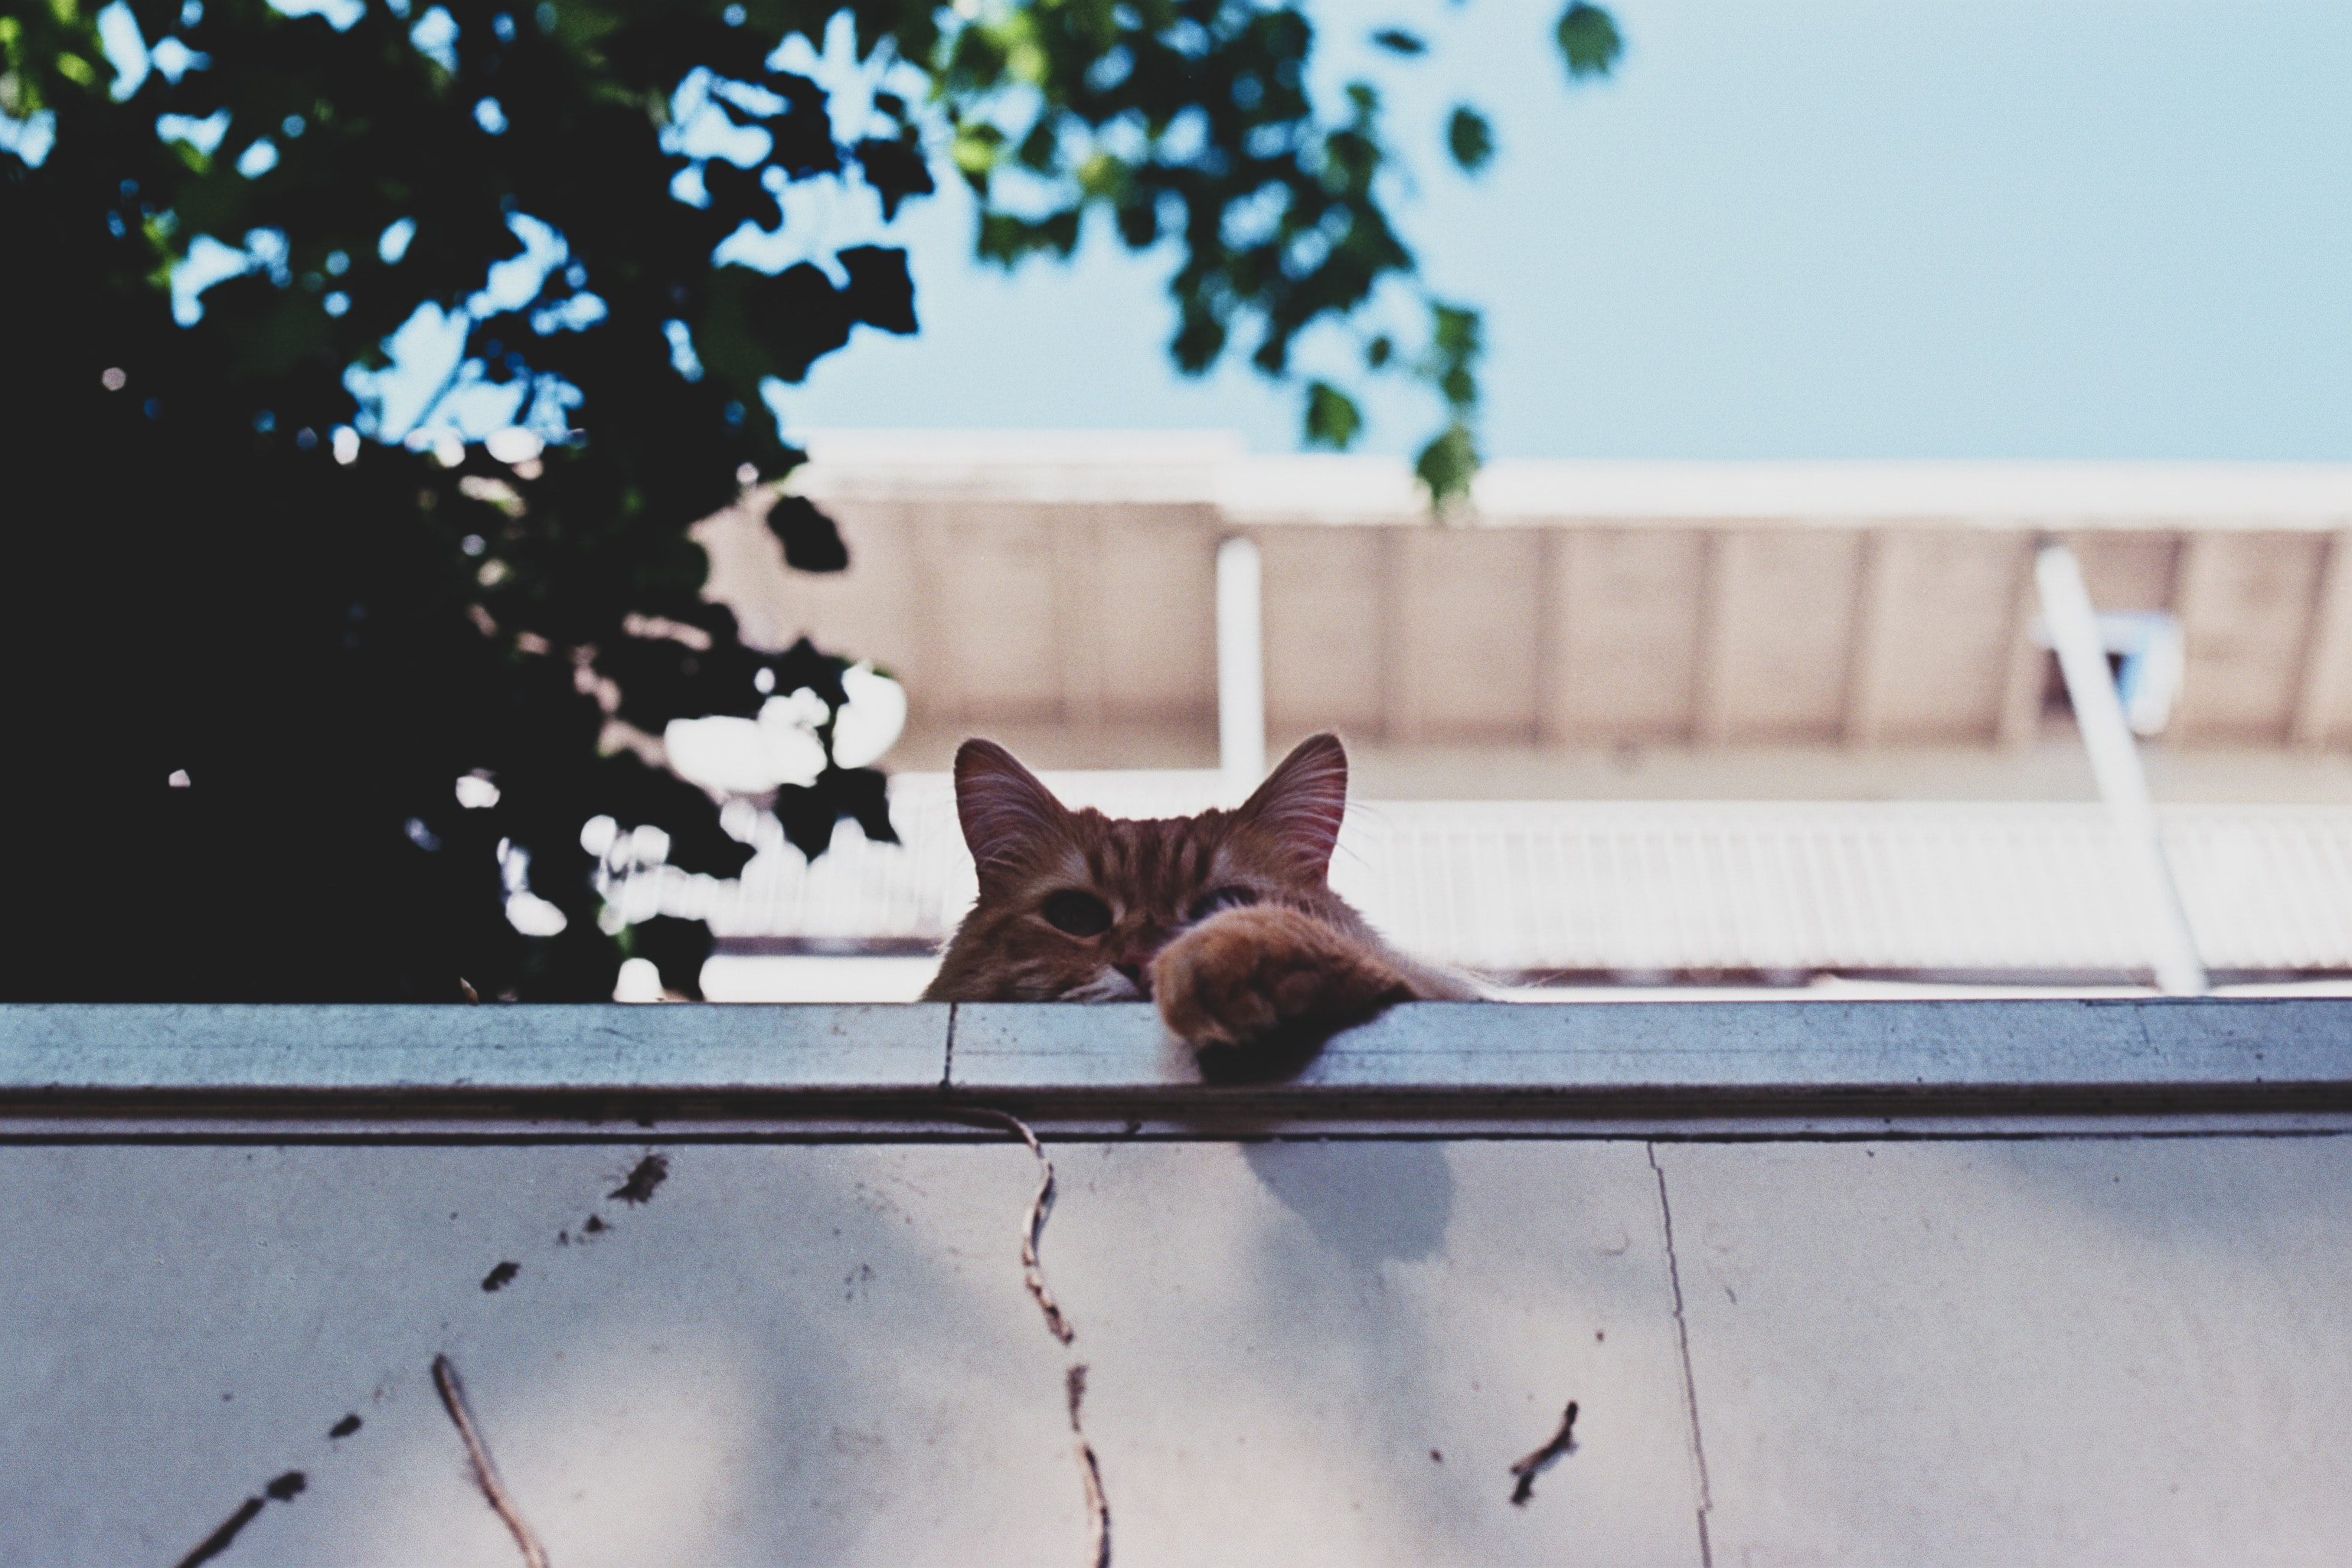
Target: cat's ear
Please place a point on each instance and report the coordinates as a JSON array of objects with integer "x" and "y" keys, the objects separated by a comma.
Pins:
[
  {"x": 1297, "y": 809},
  {"x": 1007, "y": 814}
]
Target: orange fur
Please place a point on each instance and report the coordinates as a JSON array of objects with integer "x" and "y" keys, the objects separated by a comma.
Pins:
[{"x": 1226, "y": 920}]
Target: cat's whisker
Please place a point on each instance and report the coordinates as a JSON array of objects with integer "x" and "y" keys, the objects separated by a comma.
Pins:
[{"x": 1110, "y": 985}]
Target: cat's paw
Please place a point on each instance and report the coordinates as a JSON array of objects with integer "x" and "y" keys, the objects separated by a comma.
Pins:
[{"x": 1251, "y": 975}]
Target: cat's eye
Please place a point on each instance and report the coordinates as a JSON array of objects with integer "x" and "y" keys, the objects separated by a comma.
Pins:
[
  {"x": 1209, "y": 903},
  {"x": 1079, "y": 914}
]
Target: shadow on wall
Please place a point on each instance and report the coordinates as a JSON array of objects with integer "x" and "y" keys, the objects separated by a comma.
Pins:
[
  {"x": 1369, "y": 1203},
  {"x": 762, "y": 1362}
]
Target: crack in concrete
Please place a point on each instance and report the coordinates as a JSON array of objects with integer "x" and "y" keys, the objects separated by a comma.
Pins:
[
  {"x": 216, "y": 1543},
  {"x": 947, "y": 1060},
  {"x": 637, "y": 1188},
  {"x": 285, "y": 1488},
  {"x": 1097, "y": 1506},
  {"x": 1033, "y": 1272},
  {"x": 1089, "y": 1468},
  {"x": 1682, "y": 1343},
  {"x": 1526, "y": 1469},
  {"x": 1074, "y": 1381},
  {"x": 647, "y": 1175},
  {"x": 486, "y": 1475}
]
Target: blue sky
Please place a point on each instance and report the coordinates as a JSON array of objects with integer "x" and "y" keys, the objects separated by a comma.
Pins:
[{"x": 1817, "y": 230}]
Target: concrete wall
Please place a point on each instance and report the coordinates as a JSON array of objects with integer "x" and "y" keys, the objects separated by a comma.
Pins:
[
  {"x": 2036, "y": 1331},
  {"x": 2067, "y": 1351}
]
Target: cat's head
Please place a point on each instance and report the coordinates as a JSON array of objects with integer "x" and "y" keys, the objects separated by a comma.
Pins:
[{"x": 1073, "y": 904}]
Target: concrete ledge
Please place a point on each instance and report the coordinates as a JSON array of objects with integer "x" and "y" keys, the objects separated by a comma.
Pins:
[
  {"x": 172, "y": 1050},
  {"x": 1702, "y": 1046},
  {"x": 1785, "y": 1066}
]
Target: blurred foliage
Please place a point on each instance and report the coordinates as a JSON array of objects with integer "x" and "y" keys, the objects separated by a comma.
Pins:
[
  {"x": 1470, "y": 139},
  {"x": 1589, "y": 40},
  {"x": 1193, "y": 121},
  {"x": 208, "y": 578}
]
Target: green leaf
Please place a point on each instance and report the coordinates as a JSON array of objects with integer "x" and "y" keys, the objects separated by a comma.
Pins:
[
  {"x": 1332, "y": 417},
  {"x": 1455, "y": 345},
  {"x": 1397, "y": 41},
  {"x": 1589, "y": 40},
  {"x": 975, "y": 151},
  {"x": 1102, "y": 176},
  {"x": 1447, "y": 465},
  {"x": 1470, "y": 139}
]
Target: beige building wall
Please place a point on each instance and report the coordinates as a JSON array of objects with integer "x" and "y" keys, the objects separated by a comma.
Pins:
[{"x": 1864, "y": 617}]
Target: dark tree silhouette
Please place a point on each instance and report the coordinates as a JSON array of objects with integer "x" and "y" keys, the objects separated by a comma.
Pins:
[{"x": 254, "y": 638}]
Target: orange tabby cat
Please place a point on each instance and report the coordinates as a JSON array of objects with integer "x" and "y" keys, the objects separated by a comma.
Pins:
[{"x": 1226, "y": 919}]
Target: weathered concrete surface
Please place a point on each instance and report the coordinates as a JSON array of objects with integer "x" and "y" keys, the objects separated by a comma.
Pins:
[
  {"x": 1281, "y": 1336},
  {"x": 2064, "y": 1351},
  {"x": 176, "y": 1047},
  {"x": 825, "y": 1354},
  {"x": 924, "y": 1056},
  {"x": 2070, "y": 1352},
  {"x": 788, "y": 1355},
  {"x": 1701, "y": 1049}
]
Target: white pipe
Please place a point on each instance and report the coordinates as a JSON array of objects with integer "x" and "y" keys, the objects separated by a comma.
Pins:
[
  {"x": 1241, "y": 669},
  {"x": 2114, "y": 763}
]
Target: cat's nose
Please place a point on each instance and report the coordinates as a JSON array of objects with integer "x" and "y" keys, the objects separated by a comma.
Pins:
[{"x": 1133, "y": 954}]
